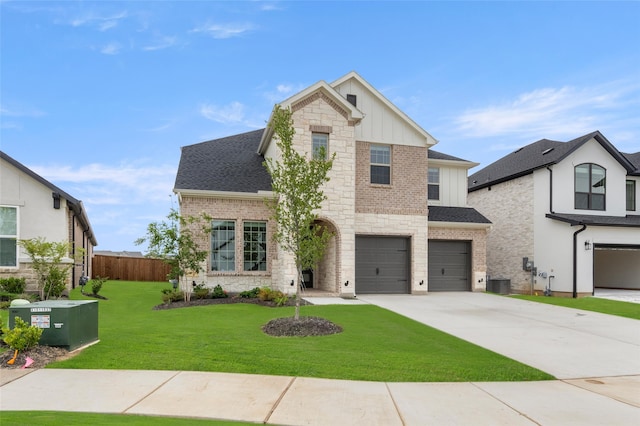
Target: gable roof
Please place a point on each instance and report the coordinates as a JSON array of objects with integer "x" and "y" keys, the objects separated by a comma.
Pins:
[
  {"x": 542, "y": 153},
  {"x": 439, "y": 156},
  {"x": 229, "y": 164},
  {"x": 74, "y": 204}
]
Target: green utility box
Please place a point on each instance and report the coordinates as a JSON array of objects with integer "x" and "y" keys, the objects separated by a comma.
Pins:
[{"x": 66, "y": 323}]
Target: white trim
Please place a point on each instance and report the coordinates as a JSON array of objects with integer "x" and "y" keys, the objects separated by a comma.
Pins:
[
  {"x": 463, "y": 225},
  {"x": 453, "y": 163},
  {"x": 224, "y": 194}
]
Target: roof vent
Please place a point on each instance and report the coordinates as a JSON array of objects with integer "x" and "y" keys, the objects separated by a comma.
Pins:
[
  {"x": 548, "y": 150},
  {"x": 518, "y": 150},
  {"x": 352, "y": 99}
]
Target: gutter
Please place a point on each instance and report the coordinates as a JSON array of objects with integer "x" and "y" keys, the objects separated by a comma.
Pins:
[
  {"x": 550, "y": 189},
  {"x": 575, "y": 259}
]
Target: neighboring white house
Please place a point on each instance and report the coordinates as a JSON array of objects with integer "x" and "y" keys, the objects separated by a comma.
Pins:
[
  {"x": 565, "y": 216},
  {"x": 32, "y": 207},
  {"x": 376, "y": 200}
]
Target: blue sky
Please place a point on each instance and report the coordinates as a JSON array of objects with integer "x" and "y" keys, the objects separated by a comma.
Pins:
[{"x": 98, "y": 97}]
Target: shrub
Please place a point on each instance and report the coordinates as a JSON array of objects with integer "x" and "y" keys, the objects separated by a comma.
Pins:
[
  {"x": 250, "y": 294},
  {"x": 265, "y": 294},
  {"x": 55, "y": 283},
  {"x": 280, "y": 298},
  {"x": 218, "y": 292},
  {"x": 201, "y": 291},
  {"x": 13, "y": 284},
  {"x": 23, "y": 336},
  {"x": 96, "y": 284},
  {"x": 170, "y": 295}
]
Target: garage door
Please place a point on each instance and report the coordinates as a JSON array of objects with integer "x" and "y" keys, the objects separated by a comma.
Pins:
[
  {"x": 382, "y": 264},
  {"x": 616, "y": 266},
  {"x": 449, "y": 266}
]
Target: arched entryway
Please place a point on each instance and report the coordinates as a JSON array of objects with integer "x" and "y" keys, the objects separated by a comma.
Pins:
[{"x": 326, "y": 275}]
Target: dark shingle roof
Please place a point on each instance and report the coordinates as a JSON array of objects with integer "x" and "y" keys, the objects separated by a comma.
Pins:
[
  {"x": 593, "y": 220},
  {"x": 536, "y": 155},
  {"x": 227, "y": 164},
  {"x": 456, "y": 214},
  {"x": 635, "y": 160},
  {"x": 435, "y": 155}
]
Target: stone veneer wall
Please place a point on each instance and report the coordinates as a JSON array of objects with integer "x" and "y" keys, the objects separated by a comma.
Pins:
[
  {"x": 239, "y": 211},
  {"x": 407, "y": 193},
  {"x": 478, "y": 238},
  {"x": 509, "y": 206}
]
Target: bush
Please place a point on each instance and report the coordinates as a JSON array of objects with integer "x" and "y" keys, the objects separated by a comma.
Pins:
[
  {"x": 13, "y": 284},
  {"x": 96, "y": 284},
  {"x": 201, "y": 291},
  {"x": 266, "y": 294},
  {"x": 250, "y": 294},
  {"x": 23, "y": 336},
  {"x": 218, "y": 292},
  {"x": 55, "y": 283},
  {"x": 280, "y": 298},
  {"x": 171, "y": 295}
]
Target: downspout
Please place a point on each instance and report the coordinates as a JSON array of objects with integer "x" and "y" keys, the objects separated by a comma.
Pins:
[
  {"x": 575, "y": 259},
  {"x": 73, "y": 249},
  {"x": 550, "y": 189}
]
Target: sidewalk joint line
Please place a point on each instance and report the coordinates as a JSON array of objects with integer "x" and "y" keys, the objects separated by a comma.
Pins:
[
  {"x": 150, "y": 392},
  {"x": 282, "y": 394}
]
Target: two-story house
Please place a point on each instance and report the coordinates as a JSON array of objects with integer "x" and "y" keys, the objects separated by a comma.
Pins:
[
  {"x": 32, "y": 207},
  {"x": 376, "y": 204},
  {"x": 565, "y": 216}
]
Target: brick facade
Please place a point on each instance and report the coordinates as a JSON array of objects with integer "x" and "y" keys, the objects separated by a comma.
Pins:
[{"x": 511, "y": 209}]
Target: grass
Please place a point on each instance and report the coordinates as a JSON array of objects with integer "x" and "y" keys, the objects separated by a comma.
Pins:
[
  {"x": 54, "y": 418},
  {"x": 594, "y": 304},
  {"x": 376, "y": 344}
]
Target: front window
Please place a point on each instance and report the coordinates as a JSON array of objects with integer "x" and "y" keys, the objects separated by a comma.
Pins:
[
  {"x": 381, "y": 164},
  {"x": 8, "y": 236},
  {"x": 590, "y": 187},
  {"x": 255, "y": 246},
  {"x": 433, "y": 191},
  {"x": 631, "y": 195},
  {"x": 320, "y": 145},
  {"x": 223, "y": 245}
]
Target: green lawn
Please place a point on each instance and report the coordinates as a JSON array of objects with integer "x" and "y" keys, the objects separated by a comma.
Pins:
[
  {"x": 53, "y": 418},
  {"x": 376, "y": 344},
  {"x": 605, "y": 306}
]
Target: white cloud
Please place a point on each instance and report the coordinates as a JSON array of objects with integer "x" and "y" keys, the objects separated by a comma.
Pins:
[
  {"x": 223, "y": 31},
  {"x": 111, "y": 49},
  {"x": 162, "y": 43},
  {"x": 20, "y": 111},
  {"x": 232, "y": 113},
  {"x": 550, "y": 112},
  {"x": 102, "y": 23}
]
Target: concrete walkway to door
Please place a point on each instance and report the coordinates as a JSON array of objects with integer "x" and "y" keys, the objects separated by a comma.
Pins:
[{"x": 567, "y": 343}]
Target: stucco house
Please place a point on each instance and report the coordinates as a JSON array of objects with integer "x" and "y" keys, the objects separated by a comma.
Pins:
[
  {"x": 376, "y": 207},
  {"x": 32, "y": 207},
  {"x": 565, "y": 216}
]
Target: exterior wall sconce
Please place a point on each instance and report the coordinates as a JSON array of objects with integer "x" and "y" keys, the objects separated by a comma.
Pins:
[
  {"x": 292, "y": 283},
  {"x": 421, "y": 282},
  {"x": 587, "y": 245},
  {"x": 346, "y": 284},
  {"x": 56, "y": 200}
]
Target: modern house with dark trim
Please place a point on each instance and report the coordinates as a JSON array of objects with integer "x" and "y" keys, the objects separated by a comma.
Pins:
[{"x": 565, "y": 216}]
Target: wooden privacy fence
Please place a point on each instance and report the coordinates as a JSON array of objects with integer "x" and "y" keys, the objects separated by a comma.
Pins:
[{"x": 129, "y": 268}]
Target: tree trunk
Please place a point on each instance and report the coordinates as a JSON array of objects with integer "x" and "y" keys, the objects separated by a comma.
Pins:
[{"x": 300, "y": 281}]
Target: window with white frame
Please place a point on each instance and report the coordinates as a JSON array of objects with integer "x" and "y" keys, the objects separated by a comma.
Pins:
[
  {"x": 590, "y": 187},
  {"x": 255, "y": 246},
  {"x": 8, "y": 236},
  {"x": 631, "y": 195},
  {"x": 223, "y": 246},
  {"x": 381, "y": 164},
  {"x": 320, "y": 145},
  {"x": 433, "y": 189}
]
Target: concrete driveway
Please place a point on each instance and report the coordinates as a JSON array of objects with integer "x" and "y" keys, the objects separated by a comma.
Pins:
[{"x": 567, "y": 343}]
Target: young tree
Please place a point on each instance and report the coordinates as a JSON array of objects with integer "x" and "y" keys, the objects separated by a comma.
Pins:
[
  {"x": 297, "y": 181},
  {"x": 46, "y": 260},
  {"x": 174, "y": 242}
]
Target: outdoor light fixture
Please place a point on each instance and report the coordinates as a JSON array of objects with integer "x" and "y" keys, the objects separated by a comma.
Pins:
[
  {"x": 292, "y": 283},
  {"x": 587, "y": 245},
  {"x": 346, "y": 284},
  {"x": 422, "y": 282}
]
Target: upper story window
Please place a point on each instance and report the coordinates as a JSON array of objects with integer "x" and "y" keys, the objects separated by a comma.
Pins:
[
  {"x": 223, "y": 246},
  {"x": 255, "y": 246},
  {"x": 381, "y": 164},
  {"x": 433, "y": 191},
  {"x": 631, "y": 195},
  {"x": 590, "y": 187},
  {"x": 320, "y": 145},
  {"x": 8, "y": 236}
]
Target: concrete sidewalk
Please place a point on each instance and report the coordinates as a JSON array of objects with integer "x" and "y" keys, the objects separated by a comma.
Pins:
[
  {"x": 567, "y": 343},
  {"x": 283, "y": 400}
]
